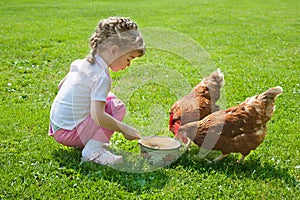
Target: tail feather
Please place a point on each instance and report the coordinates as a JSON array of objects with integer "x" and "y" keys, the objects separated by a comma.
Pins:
[
  {"x": 214, "y": 83},
  {"x": 270, "y": 93},
  {"x": 215, "y": 79},
  {"x": 264, "y": 103}
]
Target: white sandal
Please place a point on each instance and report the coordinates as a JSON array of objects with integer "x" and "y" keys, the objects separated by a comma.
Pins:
[{"x": 104, "y": 157}]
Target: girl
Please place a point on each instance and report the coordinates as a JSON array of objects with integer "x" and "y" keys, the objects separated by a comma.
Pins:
[{"x": 84, "y": 113}]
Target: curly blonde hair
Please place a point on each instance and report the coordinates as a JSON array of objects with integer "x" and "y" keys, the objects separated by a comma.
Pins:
[{"x": 119, "y": 31}]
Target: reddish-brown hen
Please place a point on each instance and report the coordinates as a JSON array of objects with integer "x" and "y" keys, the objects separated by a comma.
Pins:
[
  {"x": 200, "y": 102},
  {"x": 238, "y": 129}
]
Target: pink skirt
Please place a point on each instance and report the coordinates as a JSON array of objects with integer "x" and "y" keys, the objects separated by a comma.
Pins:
[{"x": 89, "y": 129}]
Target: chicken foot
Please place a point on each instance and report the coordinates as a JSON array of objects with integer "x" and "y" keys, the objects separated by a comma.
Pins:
[
  {"x": 242, "y": 159},
  {"x": 220, "y": 157}
]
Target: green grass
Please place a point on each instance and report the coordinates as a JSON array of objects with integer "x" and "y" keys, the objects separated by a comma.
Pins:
[{"x": 255, "y": 44}]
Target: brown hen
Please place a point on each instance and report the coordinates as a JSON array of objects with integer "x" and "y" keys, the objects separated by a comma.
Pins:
[
  {"x": 238, "y": 129},
  {"x": 200, "y": 102}
]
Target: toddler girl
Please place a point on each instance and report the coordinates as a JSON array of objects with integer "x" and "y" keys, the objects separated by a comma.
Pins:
[{"x": 84, "y": 113}]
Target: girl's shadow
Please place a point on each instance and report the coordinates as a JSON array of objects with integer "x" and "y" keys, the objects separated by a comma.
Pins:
[{"x": 69, "y": 160}]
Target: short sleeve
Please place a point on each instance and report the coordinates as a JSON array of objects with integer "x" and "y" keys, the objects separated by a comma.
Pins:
[{"x": 100, "y": 88}]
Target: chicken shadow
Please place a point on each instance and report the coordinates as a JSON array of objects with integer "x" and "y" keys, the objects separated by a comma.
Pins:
[
  {"x": 70, "y": 165},
  {"x": 252, "y": 168}
]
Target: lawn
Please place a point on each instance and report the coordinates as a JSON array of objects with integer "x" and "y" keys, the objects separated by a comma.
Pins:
[{"x": 254, "y": 43}]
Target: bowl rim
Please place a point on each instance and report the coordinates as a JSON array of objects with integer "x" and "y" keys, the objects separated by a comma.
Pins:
[{"x": 159, "y": 136}]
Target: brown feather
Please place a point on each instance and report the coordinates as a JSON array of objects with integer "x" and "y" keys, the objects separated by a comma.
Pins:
[
  {"x": 200, "y": 102},
  {"x": 238, "y": 129}
]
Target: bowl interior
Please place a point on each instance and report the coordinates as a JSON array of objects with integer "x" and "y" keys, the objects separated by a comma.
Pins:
[{"x": 159, "y": 142}]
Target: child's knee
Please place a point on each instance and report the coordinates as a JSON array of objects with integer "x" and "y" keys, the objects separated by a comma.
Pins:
[
  {"x": 116, "y": 108},
  {"x": 111, "y": 96}
]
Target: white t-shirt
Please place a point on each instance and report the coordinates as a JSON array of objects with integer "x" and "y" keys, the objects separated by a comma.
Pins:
[{"x": 83, "y": 83}]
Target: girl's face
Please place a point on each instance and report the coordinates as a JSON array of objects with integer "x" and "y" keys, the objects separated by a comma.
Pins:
[{"x": 123, "y": 61}]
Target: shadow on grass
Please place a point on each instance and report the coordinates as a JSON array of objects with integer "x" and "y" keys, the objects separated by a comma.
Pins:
[
  {"x": 69, "y": 161},
  {"x": 252, "y": 168}
]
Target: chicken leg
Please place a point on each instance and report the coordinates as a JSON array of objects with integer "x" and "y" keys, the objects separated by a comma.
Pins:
[
  {"x": 220, "y": 157},
  {"x": 242, "y": 159}
]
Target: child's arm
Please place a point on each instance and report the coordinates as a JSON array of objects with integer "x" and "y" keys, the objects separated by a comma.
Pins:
[{"x": 105, "y": 120}]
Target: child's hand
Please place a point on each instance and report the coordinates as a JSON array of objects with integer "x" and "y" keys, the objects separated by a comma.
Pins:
[{"x": 131, "y": 134}]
